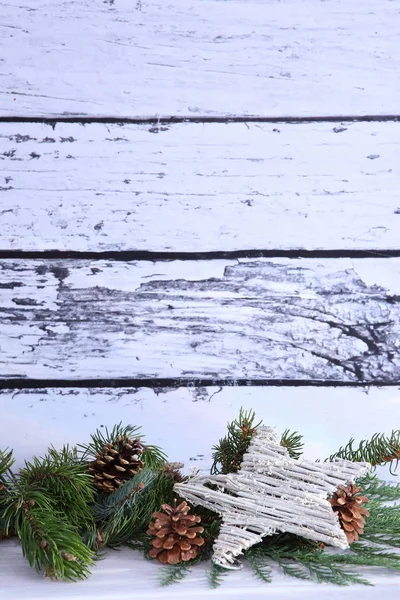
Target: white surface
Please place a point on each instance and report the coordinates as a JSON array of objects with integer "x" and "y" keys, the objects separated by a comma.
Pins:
[
  {"x": 187, "y": 422},
  {"x": 267, "y": 319},
  {"x": 208, "y": 57},
  {"x": 199, "y": 187},
  {"x": 126, "y": 575}
]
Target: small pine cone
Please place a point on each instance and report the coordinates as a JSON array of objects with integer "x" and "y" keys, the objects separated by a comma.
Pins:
[
  {"x": 173, "y": 469},
  {"x": 117, "y": 462},
  {"x": 176, "y": 535},
  {"x": 346, "y": 503}
]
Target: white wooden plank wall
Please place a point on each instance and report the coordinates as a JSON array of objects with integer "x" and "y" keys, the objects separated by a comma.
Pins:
[
  {"x": 199, "y": 58},
  {"x": 266, "y": 319},
  {"x": 200, "y": 187},
  {"x": 199, "y": 210}
]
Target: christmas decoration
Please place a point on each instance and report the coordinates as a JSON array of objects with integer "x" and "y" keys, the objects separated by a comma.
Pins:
[
  {"x": 261, "y": 500},
  {"x": 272, "y": 492},
  {"x": 176, "y": 534},
  {"x": 346, "y": 502}
]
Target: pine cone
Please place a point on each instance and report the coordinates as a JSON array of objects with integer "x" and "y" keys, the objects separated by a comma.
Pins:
[
  {"x": 116, "y": 463},
  {"x": 176, "y": 535},
  {"x": 347, "y": 504},
  {"x": 173, "y": 469}
]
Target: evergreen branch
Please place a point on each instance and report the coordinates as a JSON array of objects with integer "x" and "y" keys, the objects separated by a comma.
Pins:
[
  {"x": 379, "y": 450},
  {"x": 172, "y": 574},
  {"x": 6, "y": 462},
  {"x": 293, "y": 442},
  {"x": 63, "y": 478},
  {"x": 100, "y": 439},
  {"x": 306, "y": 560},
  {"x": 153, "y": 457},
  {"x": 228, "y": 453},
  {"x": 49, "y": 542},
  {"x": 215, "y": 575},
  {"x": 260, "y": 566},
  {"x": 376, "y": 489},
  {"x": 125, "y": 513}
]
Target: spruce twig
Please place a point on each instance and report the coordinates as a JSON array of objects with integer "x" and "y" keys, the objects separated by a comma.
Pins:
[
  {"x": 228, "y": 453},
  {"x": 215, "y": 575},
  {"x": 127, "y": 511},
  {"x": 293, "y": 442},
  {"x": 172, "y": 574},
  {"x": 62, "y": 477},
  {"x": 378, "y": 450},
  {"x": 49, "y": 542}
]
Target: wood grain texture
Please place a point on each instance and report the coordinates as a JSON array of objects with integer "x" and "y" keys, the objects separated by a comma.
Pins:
[
  {"x": 125, "y": 57},
  {"x": 187, "y": 422},
  {"x": 121, "y": 572},
  {"x": 336, "y": 320},
  {"x": 199, "y": 187}
]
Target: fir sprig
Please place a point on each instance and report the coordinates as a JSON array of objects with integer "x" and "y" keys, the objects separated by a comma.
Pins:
[
  {"x": 127, "y": 511},
  {"x": 378, "y": 450},
  {"x": 6, "y": 462},
  {"x": 63, "y": 478},
  {"x": 215, "y": 575},
  {"x": 49, "y": 542},
  {"x": 302, "y": 559},
  {"x": 261, "y": 566},
  {"x": 172, "y": 574},
  {"x": 228, "y": 453},
  {"x": 376, "y": 489},
  {"x": 293, "y": 442}
]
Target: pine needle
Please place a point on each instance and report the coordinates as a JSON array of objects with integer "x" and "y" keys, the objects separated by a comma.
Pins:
[
  {"x": 378, "y": 450},
  {"x": 63, "y": 478},
  {"x": 215, "y": 575},
  {"x": 49, "y": 542},
  {"x": 172, "y": 574},
  {"x": 293, "y": 442},
  {"x": 228, "y": 453},
  {"x": 127, "y": 512}
]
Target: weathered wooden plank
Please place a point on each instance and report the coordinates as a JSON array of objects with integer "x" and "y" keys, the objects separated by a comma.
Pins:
[
  {"x": 267, "y": 319},
  {"x": 199, "y": 187},
  {"x": 187, "y": 422},
  {"x": 199, "y": 58},
  {"x": 121, "y": 572}
]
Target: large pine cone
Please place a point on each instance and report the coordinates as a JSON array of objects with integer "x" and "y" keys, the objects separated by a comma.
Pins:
[
  {"x": 116, "y": 463},
  {"x": 176, "y": 534},
  {"x": 347, "y": 504}
]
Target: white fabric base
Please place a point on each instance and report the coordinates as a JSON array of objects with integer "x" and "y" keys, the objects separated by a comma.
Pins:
[{"x": 125, "y": 575}]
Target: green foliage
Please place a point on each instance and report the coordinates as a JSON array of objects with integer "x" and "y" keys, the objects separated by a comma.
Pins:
[
  {"x": 152, "y": 457},
  {"x": 125, "y": 513},
  {"x": 62, "y": 477},
  {"x": 378, "y": 450},
  {"x": 215, "y": 575},
  {"x": 228, "y": 453},
  {"x": 301, "y": 559},
  {"x": 50, "y": 543},
  {"x": 375, "y": 489},
  {"x": 172, "y": 574},
  {"x": 293, "y": 442},
  {"x": 261, "y": 565},
  {"x": 6, "y": 462}
]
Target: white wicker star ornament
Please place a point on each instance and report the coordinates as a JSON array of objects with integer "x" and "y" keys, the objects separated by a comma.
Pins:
[{"x": 271, "y": 493}]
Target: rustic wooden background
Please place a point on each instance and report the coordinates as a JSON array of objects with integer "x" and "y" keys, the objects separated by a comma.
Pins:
[{"x": 199, "y": 210}]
